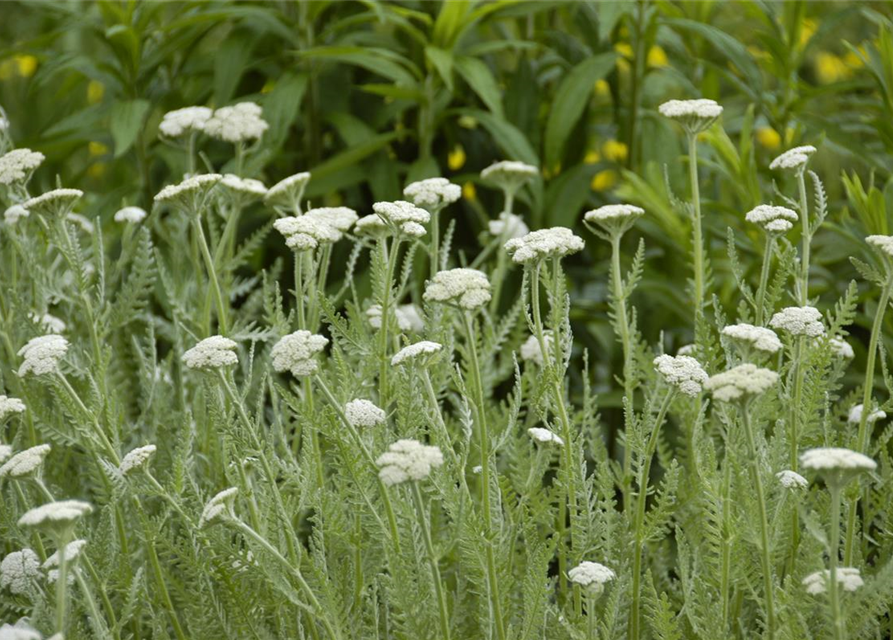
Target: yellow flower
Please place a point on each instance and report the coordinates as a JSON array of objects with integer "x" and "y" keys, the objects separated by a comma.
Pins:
[
  {"x": 830, "y": 68},
  {"x": 592, "y": 156},
  {"x": 456, "y": 158},
  {"x": 26, "y": 65},
  {"x": 468, "y": 122},
  {"x": 97, "y": 149},
  {"x": 657, "y": 57},
  {"x": 757, "y": 53},
  {"x": 615, "y": 151},
  {"x": 624, "y": 49},
  {"x": 602, "y": 88},
  {"x": 97, "y": 170},
  {"x": 604, "y": 180},
  {"x": 853, "y": 61},
  {"x": 768, "y": 137},
  {"x": 95, "y": 91},
  {"x": 269, "y": 85},
  {"x": 807, "y": 29},
  {"x": 469, "y": 192}
]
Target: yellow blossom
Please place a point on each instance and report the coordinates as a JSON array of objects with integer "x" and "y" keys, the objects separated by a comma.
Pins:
[
  {"x": 592, "y": 156},
  {"x": 768, "y": 137},
  {"x": 602, "y": 88},
  {"x": 469, "y": 192},
  {"x": 26, "y": 65},
  {"x": 95, "y": 91},
  {"x": 624, "y": 49},
  {"x": 456, "y": 158},
  {"x": 807, "y": 29},
  {"x": 604, "y": 180},
  {"x": 468, "y": 122},
  {"x": 615, "y": 151},
  {"x": 657, "y": 57},
  {"x": 830, "y": 68},
  {"x": 853, "y": 60},
  {"x": 97, "y": 170},
  {"x": 97, "y": 149},
  {"x": 269, "y": 85}
]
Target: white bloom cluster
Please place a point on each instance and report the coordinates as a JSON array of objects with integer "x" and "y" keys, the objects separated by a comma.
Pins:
[
  {"x": 23, "y": 631},
  {"x": 407, "y": 315},
  {"x": 556, "y": 242},
  {"x": 9, "y": 406},
  {"x": 855, "y": 416},
  {"x": 25, "y": 462},
  {"x": 134, "y": 215},
  {"x": 773, "y": 219},
  {"x": 5, "y": 451},
  {"x": 510, "y": 175},
  {"x": 288, "y": 191},
  {"x": 305, "y": 233},
  {"x": 48, "y": 322},
  {"x": 363, "y": 413},
  {"x": 686, "y": 350},
  {"x": 847, "y": 577},
  {"x": 591, "y": 576},
  {"x": 759, "y": 338},
  {"x": 508, "y": 226},
  {"x": 253, "y": 189},
  {"x": 420, "y": 352},
  {"x": 842, "y": 349},
  {"x": 71, "y": 552},
  {"x": 42, "y": 354},
  {"x": 683, "y": 372},
  {"x": 136, "y": 459},
  {"x": 791, "y": 479},
  {"x": 189, "y": 193},
  {"x": 614, "y": 218},
  {"x": 404, "y": 216},
  {"x": 530, "y": 350},
  {"x": 82, "y": 221},
  {"x": 237, "y": 123},
  {"x": 433, "y": 193},
  {"x": 61, "y": 513},
  {"x": 836, "y": 459},
  {"x": 57, "y": 202},
  {"x": 799, "y": 321},
  {"x": 18, "y": 570},
  {"x": 297, "y": 351},
  {"x": 372, "y": 226},
  {"x": 465, "y": 288},
  {"x": 211, "y": 353},
  {"x": 342, "y": 218},
  {"x": 15, "y": 213},
  {"x": 408, "y": 460},
  {"x": 186, "y": 120},
  {"x": 694, "y": 115},
  {"x": 545, "y": 436},
  {"x": 793, "y": 159},
  {"x": 18, "y": 164},
  {"x": 219, "y": 506},
  {"x": 741, "y": 382},
  {"x": 884, "y": 244}
]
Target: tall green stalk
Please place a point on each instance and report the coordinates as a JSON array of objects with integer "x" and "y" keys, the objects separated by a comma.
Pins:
[
  {"x": 432, "y": 560},
  {"x": 833, "y": 587},
  {"x": 212, "y": 275},
  {"x": 807, "y": 237},
  {"x": 622, "y": 324},
  {"x": 764, "y": 279},
  {"x": 698, "y": 242}
]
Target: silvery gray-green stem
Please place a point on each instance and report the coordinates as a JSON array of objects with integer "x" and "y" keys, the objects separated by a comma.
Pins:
[
  {"x": 764, "y": 279},
  {"x": 726, "y": 562},
  {"x": 501, "y": 256},
  {"x": 61, "y": 583},
  {"x": 622, "y": 323},
  {"x": 299, "y": 288},
  {"x": 807, "y": 237},
  {"x": 794, "y": 435},
  {"x": 434, "y": 255},
  {"x": 834, "y": 540},
  {"x": 212, "y": 275},
  {"x": 698, "y": 248},
  {"x": 432, "y": 559},
  {"x": 386, "y": 319}
]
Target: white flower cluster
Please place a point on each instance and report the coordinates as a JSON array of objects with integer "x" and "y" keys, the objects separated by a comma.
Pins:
[
  {"x": 855, "y": 416},
  {"x": 694, "y": 115},
  {"x": 372, "y": 226},
  {"x": 18, "y": 164},
  {"x": 508, "y": 226},
  {"x": 759, "y": 338},
  {"x": 5, "y": 451},
  {"x": 25, "y": 462},
  {"x": 48, "y": 322},
  {"x": 591, "y": 576},
  {"x": 15, "y": 213},
  {"x": 683, "y": 372},
  {"x": 741, "y": 382},
  {"x": 791, "y": 479},
  {"x": 614, "y": 218},
  {"x": 189, "y": 193},
  {"x": 847, "y": 577},
  {"x": 288, "y": 191},
  {"x": 71, "y": 551},
  {"x": 408, "y": 460},
  {"x": 186, "y": 120},
  {"x": 773, "y": 219},
  {"x": 510, "y": 174},
  {"x": 305, "y": 233},
  {"x": 836, "y": 459},
  {"x": 363, "y": 413},
  {"x": 219, "y": 506},
  {"x": 404, "y": 216},
  {"x": 465, "y": 288},
  {"x": 249, "y": 187},
  {"x": 842, "y": 349},
  {"x": 23, "y": 631},
  {"x": 433, "y": 193},
  {"x": 136, "y": 459},
  {"x": 342, "y": 218},
  {"x": 62, "y": 513},
  {"x": 42, "y": 354},
  {"x": 799, "y": 321},
  {"x": 407, "y": 315},
  {"x": 133, "y": 215},
  {"x": 793, "y": 159},
  {"x": 19, "y": 570},
  {"x": 546, "y": 243},
  {"x": 544, "y": 436},
  {"x": 212, "y": 353},
  {"x": 10, "y": 406},
  {"x": 884, "y": 244},
  {"x": 57, "y": 202},
  {"x": 237, "y": 123},
  {"x": 530, "y": 350},
  {"x": 420, "y": 352},
  {"x": 297, "y": 351}
]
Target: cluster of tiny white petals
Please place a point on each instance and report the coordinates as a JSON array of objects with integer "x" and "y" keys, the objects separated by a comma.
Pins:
[
  {"x": 237, "y": 123},
  {"x": 884, "y": 244},
  {"x": 82, "y": 221},
  {"x": 189, "y": 187},
  {"x": 62, "y": 512},
  {"x": 508, "y": 226},
  {"x": 433, "y": 193},
  {"x": 25, "y": 462},
  {"x": 17, "y": 165},
  {"x": 23, "y": 631},
  {"x": 741, "y": 382},
  {"x": 55, "y": 201},
  {"x": 408, "y": 460},
  {"x": 42, "y": 354},
  {"x": 772, "y": 218},
  {"x": 5, "y": 451},
  {"x": 510, "y": 174},
  {"x": 530, "y": 350},
  {"x": 545, "y": 243},
  {"x": 683, "y": 372},
  {"x": 799, "y": 321},
  {"x": 759, "y": 338},
  {"x": 791, "y": 479},
  {"x": 847, "y": 577},
  {"x": 372, "y": 225},
  {"x": 18, "y": 570},
  {"x": 186, "y": 120},
  {"x": 15, "y": 213},
  {"x": 405, "y": 216},
  {"x": 288, "y": 189},
  {"x": 465, "y": 288},
  {"x": 297, "y": 351},
  {"x": 218, "y": 506},
  {"x": 693, "y": 115},
  {"x": 363, "y": 413},
  {"x": 591, "y": 576},
  {"x": 855, "y": 415},
  {"x": 134, "y": 215},
  {"x": 614, "y": 217},
  {"x": 136, "y": 459},
  {"x": 212, "y": 353},
  {"x": 48, "y": 322},
  {"x": 420, "y": 351},
  {"x": 10, "y": 406},
  {"x": 793, "y": 159},
  {"x": 244, "y": 186},
  {"x": 304, "y": 233},
  {"x": 836, "y": 459},
  {"x": 842, "y": 349},
  {"x": 342, "y": 218},
  {"x": 545, "y": 436},
  {"x": 407, "y": 315},
  {"x": 71, "y": 552},
  {"x": 686, "y": 350}
]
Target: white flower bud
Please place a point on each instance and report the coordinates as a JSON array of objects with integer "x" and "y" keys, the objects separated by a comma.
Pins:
[
  {"x": 18, "y": 165},
  {"x": 25, "y": 462},
  {"x": 238, "y": 123},
  {"x": 433, "y": 193},
  {"x": 556, "y": 242},
  {"x": 187, "y": 120},
  {"x": 683, "y": 372},
  {"x": 218, "y": 507},
  {"x": 464, "y": 288},
  {"x": 136, "y": 459},
  {"x": 362, "y": 413},
  {"x": 799, "y": 321},
  {"x": 18, "y": 571},
  {"x": 759, "y": 338},
  {"x": 408, "y": 460},
  {"x": 591, "y": 576},
  {"x": 544, "y": 436},
  {"x": 133, "y": 215},
  {"x": 509, "y": 175},
  {"x": 420, "y": 353},
  {"x": 791, "y": 479},
  {"x": 847, "y": 577},
  {"x": 793, "y": 159},
  {"x": 10, "y": 406},
  {"x": 741, "y": 383},
  {"x": 694, "y": 115},
  {"x": 211, "y": 353},
  {"x": 297, "y": 352}
]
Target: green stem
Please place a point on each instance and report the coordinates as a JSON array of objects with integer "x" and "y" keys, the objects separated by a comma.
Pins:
[
  {"x": 725, "y": 578},
  {"x": 299, "y": 288},
  {"x": 435, "y": 242},
  {"x": 833, "y": 590},
  {"x": 698, "y": 249},
  {"x": 764, "y": 279},
  {"x": 797, "y": 400},
  {"x": 432, "y": 560},
  {"x": 162, "y": 587},
  {"x": 61, "y": 584},
  {"x": 622, "y": 324},
  {"x": 499, "y": 274},
  {"x": 807, "y": 237},
  {"x": 386, "y": 321},
  {"x": 212, "y": 275}
]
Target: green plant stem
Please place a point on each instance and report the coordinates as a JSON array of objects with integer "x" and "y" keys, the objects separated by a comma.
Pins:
[
  {"x": 833, "y": 588},
  {"x": 591, "y": 627},
  {"x": 794, "y": 435},
  {"x": 726, "y": 573},
  {"x": 61, "y": 584},
  {"x": 212, "y": 275},
  {"x": 299, "y": 289},
  {"x": 764, "y": 279},
  {"x": 434, "y": 255},
  {"x": 97, "y": 619},
  {"x": 386, "y": 320},
  {"x": 622, "y": 324},
  {"x": 432, "y": 559},
  {"x": 323, "y": 275},
  {"x": 498, "y": 278},
  {"x": 162, "y": 588},
  {"x": 639, "y": 523},
  {"x": 698, "y": 248},
  {"x": 807, "y": 238},
  {"x": 94, "y": 421}
]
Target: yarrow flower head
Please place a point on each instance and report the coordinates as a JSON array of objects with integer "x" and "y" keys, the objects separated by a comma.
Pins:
[
  {"x": 884, "y": 244},
  {"x": 544, "y": 436},
  {"x": 212, "y": 353},
  {"x": 42, "y": 354},
  {"x": 137, "y": 459},
  {"x": 408, "y": 460},
  {"x": 467, "y": 289},
  {"x": 433, "y": 193},
  {"x": 741, "y": 383},
  {"x": 190, "y": 194},
  {"x": 48, "y": 322},
  {"x": 556, "y": 242},
  {"x": 799, "y": 321},
  {"x": 133, "y": 215},
  {"x": 791, "y": 479},
  {"x": 19, "y": 570},
  {"x": 71, "y": 552},
  {"x": 847, "y": 577},
  {"x": 244, "y": 190},
  {"x": 186, "y": 120},
  {"x": 25, "y": 463},
  {"x": 296, "y": 353},
  {"x": 403, "y": 217},
  {"x": 614, "y": 219},
  {"x": 759, "y": 338},
  {"x": 855, "y": 415},
  {"x": 57, "y": 203},
  {"x": 841, "y": 348},
  {"x": 694, "y": 115},
  {"x": 509, "y": 175},
  {"x": 363, "y": 413},
  {"x": 18, "y": 165},
  {"x": 407, "y": 316},
  {"x": 771, "y": 218},
  {"x": 238, "y": 123},
  {"x": 23, "y": 631},
  {"x": 15, "y": 213},
  {"x": 591, "y": 576},
  {"x": 531, "y": 351},
  {"x": 683, "y": 372},
  {"x": 421, "y": 353},
  {"x": 793, "y": 159},
  {"x": 372, "y": 226},
  {"x": 508, "y": 226},
  {"x": 5, "y": 452},
  {"x": 342, "y": 218},
  {"x": 56, "y": 516},
  {"x": 10, "y": 406},
  {"x": 836, "y": 465},
  {"x": 287, "y": 193},
  {"x": 305, "y": 233},
  {"x": 220, "y": 506}
]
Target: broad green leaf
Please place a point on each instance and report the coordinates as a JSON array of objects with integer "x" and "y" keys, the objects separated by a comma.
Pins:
[
  {"x": 282, "y": 106},
  {"x": 370, "y": 59},
  {"x": 565, "y": 196},
  {"x": 230, "y": 61},
  {"x": 477, "y": 74},
  {"x": 442, "y": 61},
  {"x": 449, "y": 22},
  {"x": 126, "y": 121},
  {"x": 506, "y": 135}
]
